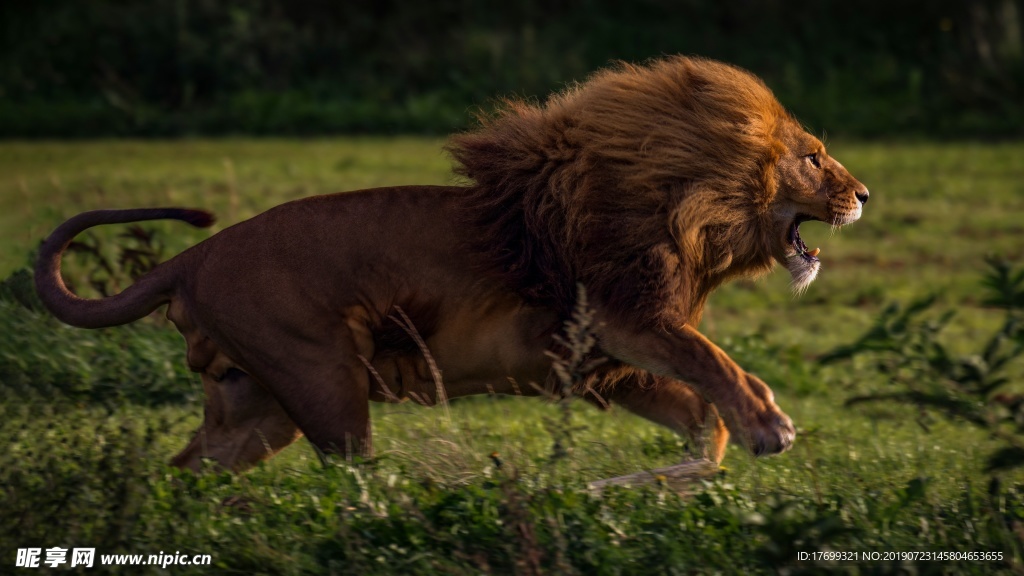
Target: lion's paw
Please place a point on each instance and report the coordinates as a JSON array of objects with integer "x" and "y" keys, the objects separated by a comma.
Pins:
[{"x": 773, "y": 434}]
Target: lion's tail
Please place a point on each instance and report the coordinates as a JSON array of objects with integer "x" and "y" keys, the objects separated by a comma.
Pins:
[{"x": 138, "y": 300}]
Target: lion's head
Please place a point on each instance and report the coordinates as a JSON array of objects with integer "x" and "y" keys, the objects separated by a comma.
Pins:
[
  {"x": 685, "y": 160},
  {"x": 811, "y": 186}
]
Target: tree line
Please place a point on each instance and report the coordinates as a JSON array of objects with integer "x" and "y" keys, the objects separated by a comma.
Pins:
[{"x": 943, "y": 68}]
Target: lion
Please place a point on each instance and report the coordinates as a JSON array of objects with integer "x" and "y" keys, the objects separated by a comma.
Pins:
[{"x": 648, "y": 185}]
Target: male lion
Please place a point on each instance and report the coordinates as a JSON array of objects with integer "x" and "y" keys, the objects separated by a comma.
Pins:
[{"x": 649, "y": 185}]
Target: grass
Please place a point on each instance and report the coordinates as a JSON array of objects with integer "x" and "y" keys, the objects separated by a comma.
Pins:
[{"x": 90, "y": 417}]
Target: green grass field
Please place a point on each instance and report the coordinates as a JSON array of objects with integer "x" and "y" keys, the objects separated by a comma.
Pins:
[{"x": 90, "y": 418}]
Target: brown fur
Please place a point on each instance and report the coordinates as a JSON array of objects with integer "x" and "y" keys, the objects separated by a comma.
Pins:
[
  {"x": 588, "y": 186},
  {"x": 650, "y": 185}
]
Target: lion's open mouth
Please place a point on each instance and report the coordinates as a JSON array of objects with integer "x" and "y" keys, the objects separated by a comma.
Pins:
[
  {"x": 803, "y": 265},
  {"x": 798, "y": 244}
]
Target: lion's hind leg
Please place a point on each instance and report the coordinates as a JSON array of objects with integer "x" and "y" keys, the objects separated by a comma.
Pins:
[
  {"x": 243, "y": 424},
  {"x": 323, "y": 386}
]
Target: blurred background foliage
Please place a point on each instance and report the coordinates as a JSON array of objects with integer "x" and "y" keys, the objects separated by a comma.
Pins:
[{"x": 944, "y": 68}]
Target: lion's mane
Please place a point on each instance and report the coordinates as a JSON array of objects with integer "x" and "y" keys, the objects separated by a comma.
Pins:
[{"x": 604, "y": 183}]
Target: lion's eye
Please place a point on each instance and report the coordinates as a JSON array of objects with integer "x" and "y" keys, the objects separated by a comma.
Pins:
[{"x": 814, "y": 160}]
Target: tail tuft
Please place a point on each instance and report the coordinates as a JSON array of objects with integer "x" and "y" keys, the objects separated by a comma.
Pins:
[{"x": 198, "y": 218}]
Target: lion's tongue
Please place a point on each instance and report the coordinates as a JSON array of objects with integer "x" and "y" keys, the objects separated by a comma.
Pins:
[{"x": 813, "y": 253}]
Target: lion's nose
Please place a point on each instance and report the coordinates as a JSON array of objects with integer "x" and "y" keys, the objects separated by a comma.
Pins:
[{"x": 863, "y": 196}]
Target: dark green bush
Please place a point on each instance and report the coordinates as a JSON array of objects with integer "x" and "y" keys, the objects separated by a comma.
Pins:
[
  {"x": 905, "y": 345},
  {"x": 169, "y": 67},
  {"x": 43, "y": 358}
]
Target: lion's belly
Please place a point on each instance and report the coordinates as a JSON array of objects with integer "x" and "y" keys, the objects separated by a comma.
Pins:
[
  {"x": 401, "y": 378},
  {"x": 498, "y": 352}
]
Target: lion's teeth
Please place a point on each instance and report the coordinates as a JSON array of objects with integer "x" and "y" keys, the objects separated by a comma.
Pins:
[{"x": 814, "y": 252}]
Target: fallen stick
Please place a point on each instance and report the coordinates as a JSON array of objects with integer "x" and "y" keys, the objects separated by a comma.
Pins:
[{"x": 679, "y": 478}]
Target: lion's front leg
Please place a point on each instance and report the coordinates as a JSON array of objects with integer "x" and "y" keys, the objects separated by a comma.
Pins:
[
  {"x": 744, "y": 401},
  {"x": 676, "y": 406}
]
